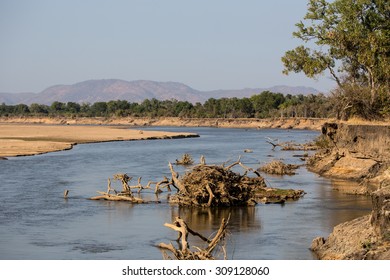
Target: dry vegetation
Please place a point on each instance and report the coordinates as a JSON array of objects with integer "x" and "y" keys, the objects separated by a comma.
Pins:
[{"x": 278, "y": 167}]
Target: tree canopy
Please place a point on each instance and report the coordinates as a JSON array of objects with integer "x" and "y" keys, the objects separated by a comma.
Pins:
[
  {"x": 263, "y": 105},
  {"x": 351, "y": 40}
]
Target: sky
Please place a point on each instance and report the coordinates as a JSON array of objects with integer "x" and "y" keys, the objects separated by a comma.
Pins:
[{"x": 205, "y": 44}]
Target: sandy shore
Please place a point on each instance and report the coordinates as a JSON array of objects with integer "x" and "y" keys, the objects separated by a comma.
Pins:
[{"x": 22, "y": 139}]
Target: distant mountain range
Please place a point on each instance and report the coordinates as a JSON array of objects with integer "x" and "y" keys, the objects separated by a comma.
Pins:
[{"x": 135, "y": 91}]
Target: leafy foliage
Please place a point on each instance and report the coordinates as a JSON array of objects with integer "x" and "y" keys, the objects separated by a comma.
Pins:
[{"x": 352, "y": 39}]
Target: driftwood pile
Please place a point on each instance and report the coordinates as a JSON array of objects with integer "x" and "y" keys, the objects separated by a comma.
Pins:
[
  {"x": 279, "y": 168},
  {"x": 184, "y": 251},
  {"x": 216, "y": 185}
]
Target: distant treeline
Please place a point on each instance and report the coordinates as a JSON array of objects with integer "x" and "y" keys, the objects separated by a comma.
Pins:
[{"x": 263, "y": 105}]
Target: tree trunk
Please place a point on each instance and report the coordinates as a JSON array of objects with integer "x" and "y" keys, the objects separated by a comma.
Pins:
[{"x": 372, "y": 86}]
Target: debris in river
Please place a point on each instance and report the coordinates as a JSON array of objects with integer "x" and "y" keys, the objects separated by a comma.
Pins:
[
  {"x": 279, "y": 168},
  {"x": 291, "y": 146},
  {"x": 184, "y": 251},
  {"x": 186, "y": 159},
  {"x": 205, "y": 186},
  {"x": 216, "y": 185}
]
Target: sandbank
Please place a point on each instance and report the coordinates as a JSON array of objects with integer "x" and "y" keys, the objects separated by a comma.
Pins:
[{"x": 33, "y": 139}]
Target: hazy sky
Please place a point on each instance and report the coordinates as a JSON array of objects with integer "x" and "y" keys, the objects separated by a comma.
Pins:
[{"x": 206, "y": 44}]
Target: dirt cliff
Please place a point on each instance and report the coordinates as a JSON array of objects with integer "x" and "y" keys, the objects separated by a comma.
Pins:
[
  {"x": 355, "y": 152},
  {"x": 360, "y": 153}
]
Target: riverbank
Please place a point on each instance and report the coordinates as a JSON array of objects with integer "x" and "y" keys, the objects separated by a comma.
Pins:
[
  {"x": 354, "y": 152},
  {"x": 364, "y": 238},
  {"x": 282, "y": 123},
  {"x": 31, "y": 139},
  {"x": 359, "y": 153}
]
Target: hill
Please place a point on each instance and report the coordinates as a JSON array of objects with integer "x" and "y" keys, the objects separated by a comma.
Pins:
[{"x": 92, "y": 91}]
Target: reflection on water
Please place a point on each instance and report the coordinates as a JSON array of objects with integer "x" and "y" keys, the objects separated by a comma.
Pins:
[
  {"x": 351, "y": 187},
  {"x": 209, "y": 219},
  {"x": 36, "y": 222}
]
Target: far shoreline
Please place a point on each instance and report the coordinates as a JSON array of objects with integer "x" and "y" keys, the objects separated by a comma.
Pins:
[{"x": 247, "y": 123}]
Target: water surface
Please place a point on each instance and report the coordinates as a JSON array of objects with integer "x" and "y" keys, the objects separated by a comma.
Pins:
[{"x": 36, "y": 222}]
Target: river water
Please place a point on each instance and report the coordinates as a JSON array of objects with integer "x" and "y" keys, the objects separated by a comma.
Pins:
[{"x": 36, "y": 222}]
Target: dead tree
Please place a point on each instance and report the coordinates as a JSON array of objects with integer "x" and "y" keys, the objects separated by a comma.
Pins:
[
  {"x": 164, "y": 183},
  {"x": 112, "y": 195},
  {"x": 124, "y": 178},
  {"x": 184, "y": 251},
  {"x": 127, "y": 190},
  {"x": 271, "y": 141}
]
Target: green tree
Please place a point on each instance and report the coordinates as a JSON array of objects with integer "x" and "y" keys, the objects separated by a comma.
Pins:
[
  {"x": 39, "y": 109},
  {"x": 99, "y": 109},
  {"x": 85, "y": 109},
  {"x": 73, "y": 108},
  {"x": 57, "y": 108},
  {"x": 351, "y": 39},
  {"x": 21, "y": 110},
  {"x": 6, "y": 110},
  {"x": 182, "y": 109},
  {"x": 212, "y": 108},
  {"x": 266, "y": 102},
  {"x": 118, "y": 108}
]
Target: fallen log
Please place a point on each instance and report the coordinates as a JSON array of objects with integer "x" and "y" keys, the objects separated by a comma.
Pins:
[{"x": 115, "y": 197}]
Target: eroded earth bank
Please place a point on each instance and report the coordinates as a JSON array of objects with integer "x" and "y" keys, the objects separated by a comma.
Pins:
[{"x": 357, "y": 153}]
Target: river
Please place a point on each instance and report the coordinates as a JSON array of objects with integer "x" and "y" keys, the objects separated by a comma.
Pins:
[{"x": 36, "y": 222}]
